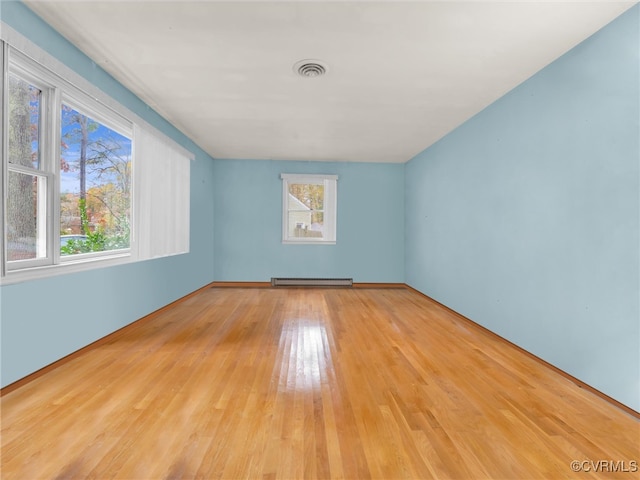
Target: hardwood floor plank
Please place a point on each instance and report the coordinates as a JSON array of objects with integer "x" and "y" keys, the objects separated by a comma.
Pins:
[{"x": 308, "y": 383}]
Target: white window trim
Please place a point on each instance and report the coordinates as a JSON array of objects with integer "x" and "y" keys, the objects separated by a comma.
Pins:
[
  {"x": 118, "y": 117},
  {"x": 4, "y": 136},
  {"x": 330, "y": 207}
]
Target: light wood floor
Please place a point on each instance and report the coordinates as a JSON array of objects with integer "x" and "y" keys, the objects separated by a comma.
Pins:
[{"x": 309, "y": 383}]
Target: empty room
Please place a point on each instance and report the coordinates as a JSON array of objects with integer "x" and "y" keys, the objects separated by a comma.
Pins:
[{"x": 320, "y": 239}]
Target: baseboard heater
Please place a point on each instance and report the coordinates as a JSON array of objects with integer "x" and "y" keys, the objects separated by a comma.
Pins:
[{"x": 311, "y": 282}]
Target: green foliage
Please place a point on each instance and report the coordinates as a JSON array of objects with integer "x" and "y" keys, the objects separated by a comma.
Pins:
[
  {"x": 96, "y": 241},
  {"x": 84, "y": 221}
]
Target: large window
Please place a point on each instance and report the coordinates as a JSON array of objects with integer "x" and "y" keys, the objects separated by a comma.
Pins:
[
  {"x": 95, "y": 184},
  {"x": 309, "y": 204},
  {"x": 68, "y": 178},
  {"x": 73, "y": 193}
]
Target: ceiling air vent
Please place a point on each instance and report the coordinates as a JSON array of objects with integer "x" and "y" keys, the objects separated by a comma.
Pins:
[{"x": 310, "y": 68}]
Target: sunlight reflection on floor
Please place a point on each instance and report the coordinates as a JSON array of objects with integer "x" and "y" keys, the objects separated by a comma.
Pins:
[{"x": 305, "y": 347}]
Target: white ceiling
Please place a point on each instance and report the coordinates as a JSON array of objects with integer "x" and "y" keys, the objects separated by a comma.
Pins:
[{"x": 401, "y": 75}]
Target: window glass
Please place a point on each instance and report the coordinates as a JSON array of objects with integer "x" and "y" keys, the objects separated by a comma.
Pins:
[
  {"x": 26, "y": 216},
  {"x": 24, "y": 123},
  {"x": 306, "y": 216},
  {"x": 95, "y": 185}
]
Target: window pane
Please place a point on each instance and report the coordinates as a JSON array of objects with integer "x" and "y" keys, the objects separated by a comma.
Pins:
[
  {"x": 305, "y": 210},
  {"x": 317, "y": 222},
  {"x": 305, "y": 224},
  {"x": 25, "y": 217},
  {"x": 95, "y": 185},
  {"x": 24, "y": 120},
  {"x": 310, "y": 195}
]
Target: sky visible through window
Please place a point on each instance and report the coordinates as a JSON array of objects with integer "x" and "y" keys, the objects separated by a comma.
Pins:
[{"x": 99, "y": 139}]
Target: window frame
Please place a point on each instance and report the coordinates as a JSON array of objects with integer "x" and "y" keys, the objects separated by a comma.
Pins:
[
  {"x": 83, "y": 104},
  {"x": 35, "y": 75},
  {"x": 56, "y": 91},
  {"x": 330, "y": 208}
]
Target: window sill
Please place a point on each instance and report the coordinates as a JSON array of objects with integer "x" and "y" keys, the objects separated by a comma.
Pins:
[
  {"x": 69, "y": 266},
  {"x": 308, "y": 242}
]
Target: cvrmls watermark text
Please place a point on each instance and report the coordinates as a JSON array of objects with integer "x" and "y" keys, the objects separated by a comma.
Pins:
[{"x": 601, "y": 466}]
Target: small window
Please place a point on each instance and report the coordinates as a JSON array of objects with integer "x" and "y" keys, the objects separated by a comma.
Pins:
[{"x": 309, "y": 205}]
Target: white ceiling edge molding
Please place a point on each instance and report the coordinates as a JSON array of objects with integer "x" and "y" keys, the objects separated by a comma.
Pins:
[{"x": 18, "y": 41}]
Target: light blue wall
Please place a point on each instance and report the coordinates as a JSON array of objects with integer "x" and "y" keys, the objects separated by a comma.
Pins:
[
  {"x": 45, "y": 320},
  {"x": 248, "y": 244},
  {"x": 526, "y": 218}
]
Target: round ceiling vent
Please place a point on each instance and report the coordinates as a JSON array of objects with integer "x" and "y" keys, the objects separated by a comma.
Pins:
[{"x": 310, "y": 68}]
